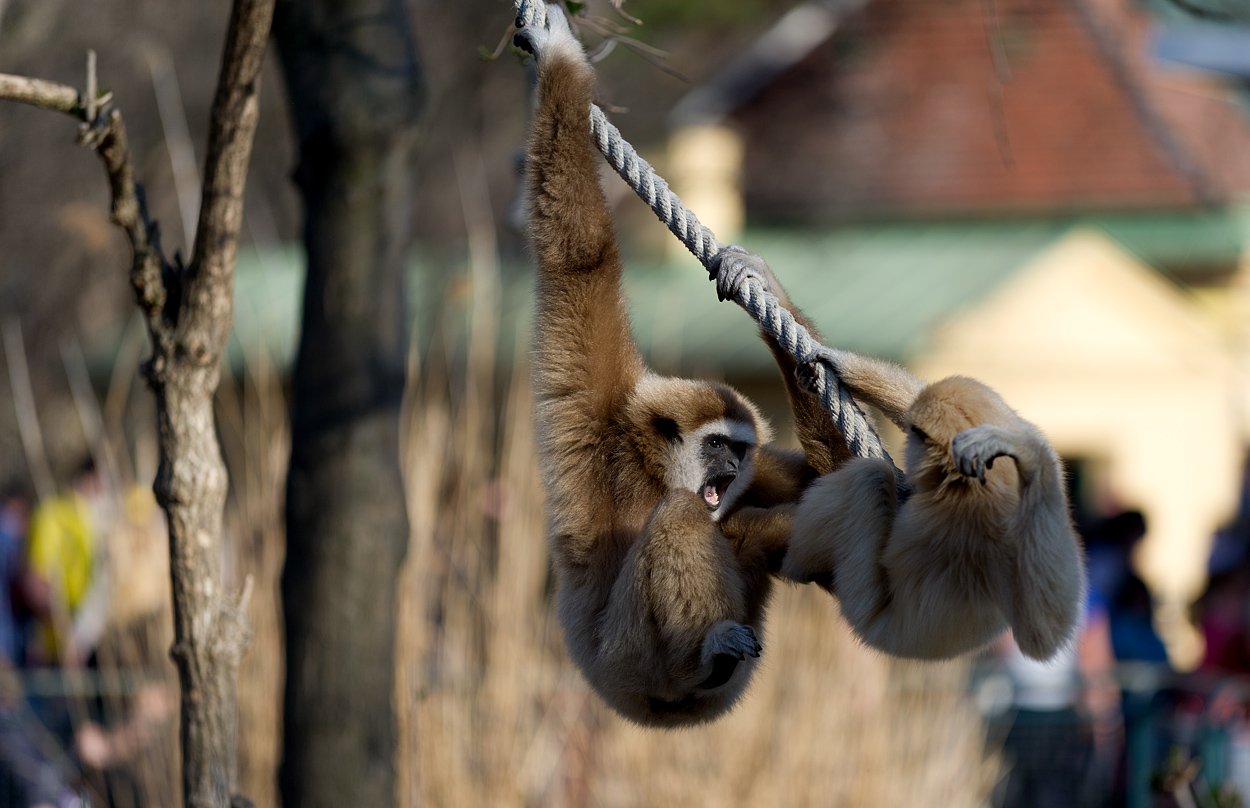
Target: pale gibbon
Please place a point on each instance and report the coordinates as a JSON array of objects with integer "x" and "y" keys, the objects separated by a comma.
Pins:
[
  {"x": 667, "y": 512},
  {"x": 978, "y": 547}
]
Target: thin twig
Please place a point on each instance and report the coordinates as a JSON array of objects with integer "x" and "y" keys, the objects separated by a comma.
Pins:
[
  {"x": 92, "y": 86},
  {"x": 177, "y": 138},
  {"x": 27, "y": 413},
  {"x": 619, "y": 6}
]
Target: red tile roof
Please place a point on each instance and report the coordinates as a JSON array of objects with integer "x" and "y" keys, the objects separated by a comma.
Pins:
[{"x": 941, "y": 106}]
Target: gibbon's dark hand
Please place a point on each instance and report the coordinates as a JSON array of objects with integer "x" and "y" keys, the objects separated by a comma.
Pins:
[
  {"x": 976, "y": 449},
  {"x": 805, "y": 372},
  {"x": 535, "y": 40},
  {"x": 734, "y": 266}
]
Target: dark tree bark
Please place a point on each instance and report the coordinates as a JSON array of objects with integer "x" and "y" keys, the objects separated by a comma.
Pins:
[
  {"x": 355, "y": 85},
  {"x": 189, "y": 314}
]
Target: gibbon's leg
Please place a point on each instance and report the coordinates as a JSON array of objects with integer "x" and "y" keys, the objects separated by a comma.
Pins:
[
  {"x": 843, "y": 524},
  {"x": 1049, "y": 579},
  {"x": 759, "y": 538},
  {"x": 676, "y": 617}
]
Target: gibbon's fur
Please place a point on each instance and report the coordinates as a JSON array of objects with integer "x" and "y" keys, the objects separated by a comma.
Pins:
[
  {"x": 979, "y": 546},
  {"x": 667, "y": 512}
]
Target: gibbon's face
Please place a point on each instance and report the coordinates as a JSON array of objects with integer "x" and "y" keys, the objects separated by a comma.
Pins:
[{"x": 715, "y": 462}]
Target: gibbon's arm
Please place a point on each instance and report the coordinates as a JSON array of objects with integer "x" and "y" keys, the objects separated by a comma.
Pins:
[
  {"x": 884, "y": 385},
  {"x": 585, "y": 362},
  {"x": 1048, "y": 579},
  {"x": 781, "y": 476},
  {"x": 824, "y": 447},
  {"x": 583, "y": 346}
]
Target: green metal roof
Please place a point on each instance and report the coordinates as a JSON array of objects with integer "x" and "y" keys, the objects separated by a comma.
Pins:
[
  {"x": 877, "y": 289},
  {"x": 1184, "y": 242},
  {"x": 873, "y": 289}
]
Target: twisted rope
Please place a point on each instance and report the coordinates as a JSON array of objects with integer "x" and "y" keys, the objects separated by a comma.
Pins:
[{"x": 860, "y": 435}]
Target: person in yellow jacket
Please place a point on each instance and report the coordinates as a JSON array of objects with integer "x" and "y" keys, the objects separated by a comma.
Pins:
[{"x": 67, "y": 592}]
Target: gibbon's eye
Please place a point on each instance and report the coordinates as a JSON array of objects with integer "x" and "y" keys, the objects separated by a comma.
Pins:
[
  {"x": 920, "y": 433},
  {"x": 715, "y": 442}
]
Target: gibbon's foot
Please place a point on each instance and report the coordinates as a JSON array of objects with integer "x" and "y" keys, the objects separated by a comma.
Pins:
[
  {"x": 734, "y": 265},
  {"x": 976, "y": 449},
  {"x": 535, "y": 40},
  {"x": 731, "y": 639},
  {"x": 728, "y": 644}
]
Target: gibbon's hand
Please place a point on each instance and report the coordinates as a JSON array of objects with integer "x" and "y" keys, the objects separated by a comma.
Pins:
[
  {"x": 535, "y": 40},
  {"x": 805, "y": 372},
  {"x": 734, "y": 266},
  {"x": 976, "y": 449}
]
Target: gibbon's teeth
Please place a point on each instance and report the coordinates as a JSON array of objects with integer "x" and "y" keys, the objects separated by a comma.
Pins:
[{"x": 711, "y": 495}]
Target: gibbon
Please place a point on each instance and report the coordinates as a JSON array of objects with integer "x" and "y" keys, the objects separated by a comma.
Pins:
[
  {"x": 668, "y": 513},
  {"x": 979, "y": 546}
]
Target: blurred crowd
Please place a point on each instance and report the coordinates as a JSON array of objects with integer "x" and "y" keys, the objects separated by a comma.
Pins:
[
  {"x": 71, "y": 571},
  {"x": 1110, "y": 722}
]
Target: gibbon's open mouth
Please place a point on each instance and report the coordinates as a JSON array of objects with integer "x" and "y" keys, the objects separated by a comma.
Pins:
[{"x": 714, "y": 489}]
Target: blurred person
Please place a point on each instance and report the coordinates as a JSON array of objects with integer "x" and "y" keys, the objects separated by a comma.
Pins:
[
  {"x": 104, "y": 748},
  {"x": 35, "y": 772},
  {"x": 15, "y": 509},
  {"x": 65, "y": 585},
  {"x": 1116, "y": 589},
  {"x": 1222, "y": 611},
  {"x": 1065, "y": 726}
]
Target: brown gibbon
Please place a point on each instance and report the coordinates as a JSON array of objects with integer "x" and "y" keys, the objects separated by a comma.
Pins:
[
  {"x": 978, "y": 547},
  {"x": 668, "y": 512}
]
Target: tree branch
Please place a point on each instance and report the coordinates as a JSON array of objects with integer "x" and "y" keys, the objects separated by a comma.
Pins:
[
  {"x": 106, "y": 133},
  {"x": 40, "y": 93},
  {"x": 189, "y": 313}
]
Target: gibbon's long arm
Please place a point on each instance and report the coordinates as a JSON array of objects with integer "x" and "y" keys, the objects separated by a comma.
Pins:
[
  {"x": 1047, "y": 577},
  {"x": 884, "y": 385},
  {"x": 584, "y": 343},
  {"x": 824, "y": 447},
  {"x": 585, "y": 361}
]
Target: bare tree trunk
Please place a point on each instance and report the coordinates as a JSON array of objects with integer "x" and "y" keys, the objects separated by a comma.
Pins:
[
  {"x": 189, "y": 314},
  {"x": 352, "y": 73}
]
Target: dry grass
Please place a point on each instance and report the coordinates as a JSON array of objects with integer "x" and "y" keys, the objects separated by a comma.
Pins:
[{"x": 490, "y": 711}]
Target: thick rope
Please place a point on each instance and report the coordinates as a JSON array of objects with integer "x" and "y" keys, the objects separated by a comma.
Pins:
[{"x": 861, "y": 437}]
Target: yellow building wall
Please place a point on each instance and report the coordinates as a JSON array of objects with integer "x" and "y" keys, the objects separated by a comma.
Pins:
[{"x": 705, "y": 171}]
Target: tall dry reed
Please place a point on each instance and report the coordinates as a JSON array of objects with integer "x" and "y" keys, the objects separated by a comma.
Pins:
[{"x": 490, "y": 711}]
